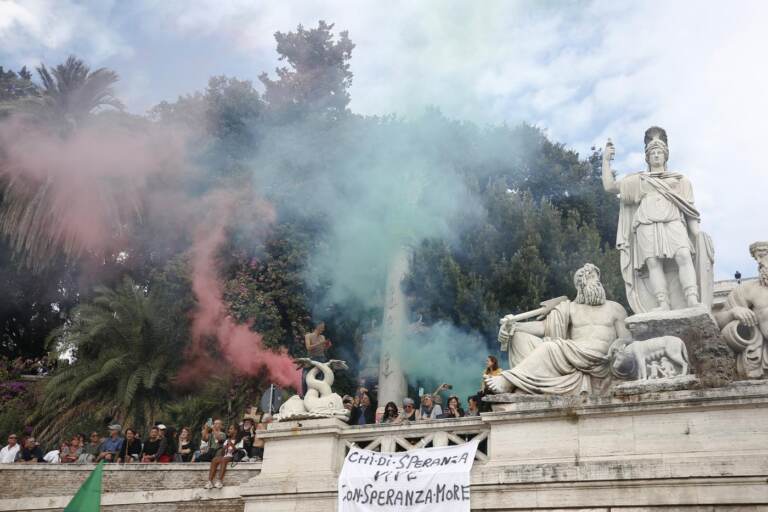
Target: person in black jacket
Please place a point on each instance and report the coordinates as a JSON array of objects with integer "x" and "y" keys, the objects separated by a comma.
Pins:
[
  {"x": 364, "y": 413},
  {"x": 131, "y": 449}
]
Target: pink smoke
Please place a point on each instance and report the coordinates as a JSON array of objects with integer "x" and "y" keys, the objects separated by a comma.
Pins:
[
  {"x": 243, "y": 348},
  {"x": 94, "y": 186},
  {"x": 88, "y": 186}
]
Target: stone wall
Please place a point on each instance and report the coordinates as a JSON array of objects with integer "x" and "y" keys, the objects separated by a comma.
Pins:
[
  {"x": 667, "y": 451},
  {"x": 130, "y": 487},
  {"x": 704, "y": 449}
]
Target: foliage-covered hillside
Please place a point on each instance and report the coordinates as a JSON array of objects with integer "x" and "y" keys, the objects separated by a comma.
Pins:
[{"x": 265, "y": 208}]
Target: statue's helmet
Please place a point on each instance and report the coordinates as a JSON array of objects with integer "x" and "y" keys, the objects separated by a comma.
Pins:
[{"x": 656, "y": 137}]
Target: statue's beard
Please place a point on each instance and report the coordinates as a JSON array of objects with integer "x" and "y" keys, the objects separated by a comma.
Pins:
[
  {"x": 591, "y": 294},
  {"x": 763, "y": 275}
]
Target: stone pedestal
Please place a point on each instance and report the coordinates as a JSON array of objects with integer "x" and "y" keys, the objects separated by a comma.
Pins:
[{"x": 712, "y": 361}]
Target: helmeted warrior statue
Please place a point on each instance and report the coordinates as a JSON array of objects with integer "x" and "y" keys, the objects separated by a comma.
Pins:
[{"x": 666, "y": 261}]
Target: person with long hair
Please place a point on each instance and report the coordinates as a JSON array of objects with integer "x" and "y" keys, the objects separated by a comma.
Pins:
[
  {"x": 453, "y": 408},
  {"x": 131, "y": 449},
  {"x": 391, "y": 414},
  {"x": 185, "y": 448},
  {"x": 491, "y": 370}
]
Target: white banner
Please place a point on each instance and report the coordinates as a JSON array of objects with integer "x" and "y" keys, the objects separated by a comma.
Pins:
[{"x": 426, "y": 480}]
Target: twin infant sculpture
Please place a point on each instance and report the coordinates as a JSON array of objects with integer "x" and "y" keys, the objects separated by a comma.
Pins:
[{"x": 582, "y": 346}]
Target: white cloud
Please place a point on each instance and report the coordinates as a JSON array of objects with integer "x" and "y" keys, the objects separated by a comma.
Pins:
[{"x": 57, "y": 25}]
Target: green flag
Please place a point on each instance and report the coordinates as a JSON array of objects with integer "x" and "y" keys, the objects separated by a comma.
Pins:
[{"x": 88, "y": 497}]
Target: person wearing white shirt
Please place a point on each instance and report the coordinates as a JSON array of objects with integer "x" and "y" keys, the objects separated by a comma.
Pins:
[{"x": 9, "y": 452}]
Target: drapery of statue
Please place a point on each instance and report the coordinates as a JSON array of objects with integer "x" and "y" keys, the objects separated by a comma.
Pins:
[{"x": 666, "y": 260}]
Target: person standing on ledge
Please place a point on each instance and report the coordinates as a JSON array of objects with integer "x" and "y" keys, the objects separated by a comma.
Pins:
[
  {"x": 316, "y": 345},
  {"x": 658, "y": 232}
]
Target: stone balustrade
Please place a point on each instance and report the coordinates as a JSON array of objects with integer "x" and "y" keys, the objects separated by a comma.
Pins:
[{"x": 423, "y": 434}]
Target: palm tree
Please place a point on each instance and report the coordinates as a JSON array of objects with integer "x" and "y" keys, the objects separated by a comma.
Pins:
[
  {"x": 124, "y": 352},
  {"x": 70, "y": 92}
]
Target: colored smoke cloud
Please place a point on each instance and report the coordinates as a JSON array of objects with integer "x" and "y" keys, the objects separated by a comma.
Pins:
[
  {"x": 243, "y": 348},
  {"x": 87, "y": 191}
]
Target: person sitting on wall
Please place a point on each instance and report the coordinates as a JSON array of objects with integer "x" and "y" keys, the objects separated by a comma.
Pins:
[
  {"x": 9, "y": 452},
  {"x": 91, "y": 450},
  {"x": 363, "y": 413},
  {"x": 131, "y": 449},
  {"x": 70, "y": 453},
  {"x": 245, "y": 436},
  {"x": 186, "y": 447},
  {"x": 220, "y": 461},
  {"x": 110, "y": 448},
  {"x": 212, "y": 437},
  {"x": 150, "y": 452},
  {"x": 30, "y": 453},
  {"x": 453, "y": 408},
  {"x": 429, "y": 409}
]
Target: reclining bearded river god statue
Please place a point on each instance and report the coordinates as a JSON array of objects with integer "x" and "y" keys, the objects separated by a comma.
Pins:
[
  {"x": 581, "y": 346},
  {"x": 666, "y": 260},
  {"x": 567, "y": 351}
]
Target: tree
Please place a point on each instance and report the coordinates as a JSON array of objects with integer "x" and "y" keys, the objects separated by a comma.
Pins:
[
  {"x": 125, "y": 345},
  {"x": 71, "y": 91},
  {"x": 16, "y": 85},
  {"x": 318, "y": 77}
]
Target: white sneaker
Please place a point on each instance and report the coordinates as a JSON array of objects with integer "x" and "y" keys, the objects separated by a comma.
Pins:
[
  {"x": 218, "y": 484},
  {"x": 208, "y": 485}
]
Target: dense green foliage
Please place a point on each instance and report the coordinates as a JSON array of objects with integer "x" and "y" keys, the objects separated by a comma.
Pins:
[{"x": 534, "y": 213}]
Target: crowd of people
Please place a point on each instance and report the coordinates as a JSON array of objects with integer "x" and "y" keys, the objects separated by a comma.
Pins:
[
  {"x": 362, "y": 410},
  {"x": 216, "y": 445},
  {"x": 162, "y": 444},
  {"x": 40, "y": 366}
]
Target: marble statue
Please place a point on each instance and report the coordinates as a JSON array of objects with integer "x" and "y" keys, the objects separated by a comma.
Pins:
[
  {"x": 632, "y": 361},
  {"x": 567, "y": 351},
  {"x": 668, "y": 370},
  {"x": 744, "y": 319},
  {"x": 320, "y": 401},
  {"x": 666, "y": 260}
]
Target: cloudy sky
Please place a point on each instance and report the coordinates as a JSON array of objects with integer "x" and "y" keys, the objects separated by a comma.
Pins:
[{"x": 583, "y": 71}]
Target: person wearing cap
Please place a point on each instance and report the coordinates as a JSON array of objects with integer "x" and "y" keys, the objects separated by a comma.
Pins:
[
  {"x": 162, "y": 451},
  {"x": 246, "y": 433},
  {"x": 110, "y": 447},
  {"x": 9, "y": 452}
]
